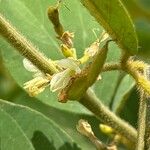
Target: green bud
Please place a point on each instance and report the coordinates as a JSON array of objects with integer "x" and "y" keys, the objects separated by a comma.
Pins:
[
  {"x": 53, "y": 15},
  {"x": 68, "y": 52}
]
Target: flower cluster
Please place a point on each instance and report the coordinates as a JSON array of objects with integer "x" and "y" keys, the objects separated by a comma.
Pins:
[
  {"x": 68, "y": 67},
  {"x": 56, "y": 82}
]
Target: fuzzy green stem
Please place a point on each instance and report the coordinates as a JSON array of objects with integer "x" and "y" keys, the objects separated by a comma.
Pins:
[
  {"x": 147, "y": 123},
  {"x": 140, "y": 79},
  {"x": 147, "y": 130},
  {"x": 141, "y": 122},
  {"x": 124, "y": 59},
  {"x": 25, "y": 47},
  {"x": 92, "y": 103},
  {"x": 111, "y": 66},
  {"x": 129, "y": 67}
]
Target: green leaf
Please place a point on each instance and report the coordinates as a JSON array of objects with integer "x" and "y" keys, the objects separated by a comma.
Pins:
[
  {"x": 43, "y": 132},
  {"x": 122, "y": 94},
  {"x": 11, "y": 135},
  {"x": 125, "y": 100},
  {"x": 130, "y": 110},
  {"x": 143, "y": 30},
  {"x": 101, "y": 86},
  {"x": 104, "y": 89},
  {"x": 67, "y": 120},
  {"x": 114, "y": 18},
  {"x": 145, "y": 4},
  {"x": 136, "y": 10},
  {"x": 141, "y": 18}
]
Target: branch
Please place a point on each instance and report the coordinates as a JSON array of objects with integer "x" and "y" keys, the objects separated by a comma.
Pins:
[
  {"x": 111, "y": 66},
  {"x": 147, "y": 130},
  {"x": 92, "y": 103},
  {"x": 141, "y": 122},
  {"x": 147, "y": 123},
  {"x": 144, "y": 117},
  {"x": 24, "y": 47},
  {"x": 140, "y": 79}
]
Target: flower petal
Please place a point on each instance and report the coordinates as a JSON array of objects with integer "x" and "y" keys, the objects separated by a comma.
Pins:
[
  {"x": 29, "y": 66},
  {"x": 36, "y": 85},
  {"x": 69, "y": 63},
  {"x": 60, "y": 80}
]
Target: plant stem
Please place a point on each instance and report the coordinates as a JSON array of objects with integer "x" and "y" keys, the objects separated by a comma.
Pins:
[
  {"x": 124, "y": 58},
  {"x": 141, "y": 122},
  {"x": 147, "y": 101},
  {"x": 89, "y": 100},
  {"x": 111, "y": 66},
  {"x": 140, "y": 79},
  {"x": 25, "y": 47},
  {"x": 92, "y": 103},
  {"x": 147, "y": 129}
]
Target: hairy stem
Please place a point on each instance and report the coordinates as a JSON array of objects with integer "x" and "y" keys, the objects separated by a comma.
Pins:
[
  {"x": 140, "y": 79},
  {"x": 91, "y": 102},
  {"x": 144, "y": 122},
  {"x": 141, "y": 122},
  {"x": 25, "y": 47},
  {"x": 147, "y": 129},
  {"x": 124, "y": 61},
  {"x": 128, "y": 66},
  {"x": 111, "y": 66},
  {"x": 147, "y": 123}
]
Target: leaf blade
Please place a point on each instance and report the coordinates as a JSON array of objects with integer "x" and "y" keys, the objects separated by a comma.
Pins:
[
  {"x": 11, "y": 132},
  {"x": 37, "y": 126},
  {"x": 116, "y": 21}
]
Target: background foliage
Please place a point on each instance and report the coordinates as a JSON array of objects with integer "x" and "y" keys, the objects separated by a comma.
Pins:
[{"x": 42, "y": 122}]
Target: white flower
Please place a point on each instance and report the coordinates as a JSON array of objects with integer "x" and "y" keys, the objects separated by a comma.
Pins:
[
  {"x": 61, "y": 79},
  {"x": 31, "y": 68},
  {"x": 37, "y": 85},
  {"x": 57, "y": 82},
  {"x": 39, "y": 82}
]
